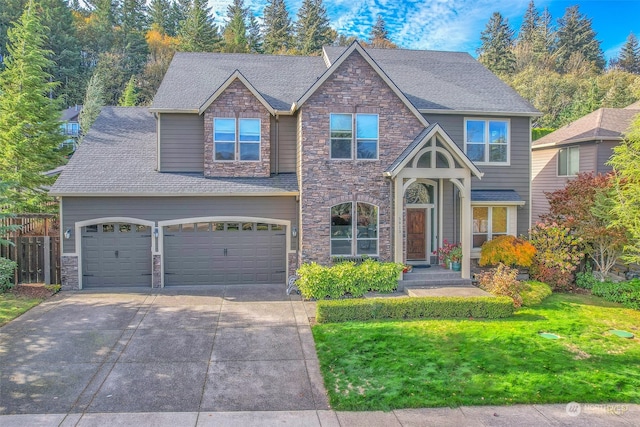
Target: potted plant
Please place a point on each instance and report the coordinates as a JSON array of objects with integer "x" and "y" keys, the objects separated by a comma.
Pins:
[{"x": 455, "y": 255}]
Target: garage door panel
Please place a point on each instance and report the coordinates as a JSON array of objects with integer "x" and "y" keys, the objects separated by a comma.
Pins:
[{"x": 235, "y": 253}]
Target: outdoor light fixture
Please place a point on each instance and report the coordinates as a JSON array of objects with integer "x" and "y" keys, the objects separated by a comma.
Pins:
[
  {"x": 155, "y": 232},
  {"x": 294, "y": 231},
  {"x": 67, "y": 233}
]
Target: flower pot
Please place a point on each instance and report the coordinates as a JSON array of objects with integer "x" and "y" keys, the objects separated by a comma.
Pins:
[{"x": 456, "y": 266}]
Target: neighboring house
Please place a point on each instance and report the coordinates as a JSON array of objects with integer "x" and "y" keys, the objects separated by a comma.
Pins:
[
  {"x": 70, "y": 126},
  {"x": 246, "y": 166},
  {"x": 584, "y": 145}
]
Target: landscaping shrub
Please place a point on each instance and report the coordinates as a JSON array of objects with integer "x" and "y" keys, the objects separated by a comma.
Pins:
[
  {"x": 7, "y": 269},
  {"x": 533, "y": 293},
  {"x": 558, "y": 255},
  {"x": 347, "y": 278},
  {"x": 413, "y": 308},
  {"x": 508, "y": 250},
  {"x": 502, "y": 280},
  {"x": 625, "y": 293},
  {"x": 586, "y": 279}
]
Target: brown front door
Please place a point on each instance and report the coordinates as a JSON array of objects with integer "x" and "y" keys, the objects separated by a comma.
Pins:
[{"x": 416, "y": 236}]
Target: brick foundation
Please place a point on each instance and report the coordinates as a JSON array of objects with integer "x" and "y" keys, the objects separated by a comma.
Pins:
[{"x": 69, "y": 272}]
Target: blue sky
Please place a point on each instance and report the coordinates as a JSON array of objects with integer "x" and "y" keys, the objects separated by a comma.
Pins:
[{"x": 455, "y": 25}]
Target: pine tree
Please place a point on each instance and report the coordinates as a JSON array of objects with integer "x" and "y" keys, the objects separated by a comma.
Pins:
[
  {"x": 380, "y": 36},
  {"x": 312, "y": 29},
  {"x": 177, "y": 14},
  {"x": 529, "y": 24},
  {"x": 254, "y": 35},
  {"x": 129, "y": 97},
  {"x": 576, "y": 35},
  {"x": 235, "y": 33},
  {"x": 130, "y": 40},
  {"x": 495, "y": 53},
  {"x": 93, "y": 103},
  {"x": 277, "y": 27},
  {"x": 545, "y": 35},
  {"x": 629, "y": 58},
  {"x": 29, "y": 119},
  {"x": 160, "y": 16},
  {"x": 198, "y": 33}
]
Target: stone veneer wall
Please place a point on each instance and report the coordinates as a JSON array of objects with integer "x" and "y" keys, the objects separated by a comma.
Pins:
[
  {"x": 156, "y": 273},
  {"x": 237, "y": 102},
  {"x": 69, "y": 272},
  {"x": 353, "y": 88}
]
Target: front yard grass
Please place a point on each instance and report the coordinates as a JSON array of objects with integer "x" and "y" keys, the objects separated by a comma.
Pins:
[
  {"x": 12, "y": 306},
  {"x": 385, "y": 365}
]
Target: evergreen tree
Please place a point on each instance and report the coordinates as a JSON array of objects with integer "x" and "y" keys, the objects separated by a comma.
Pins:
[
  {"x": 96, "y": 30},
  {"x": 129, "y": 97},
  {"x": 29, "y": 119},
  {"x": 198, "y": 33},
  {"x": 254, "y": 35},
  {"x": 277, "y": 27},
  {"x": 380, "y": 36},
  {"x": 312, "y": 29},
  {"x": 575, "y": 34},
  {"x": 235, "y": 33},
  {"x": 160, "y": 16},
  {"x": 545, "y": 35},
  {"x": 496, "y": 53},
  {"x": 130, "y": 41},
  {"x": 629, "y": 58},
  {"x": 10, "y": 11},
  {"x": 177, "y": 14},
  {"x": 93, "y": 103},
  {"x": 529, "y": 24}
]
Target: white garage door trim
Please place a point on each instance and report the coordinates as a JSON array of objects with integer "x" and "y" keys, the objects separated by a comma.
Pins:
[
  {"x": 163, "y": 224},
  {"x": 78, "y": 236}
]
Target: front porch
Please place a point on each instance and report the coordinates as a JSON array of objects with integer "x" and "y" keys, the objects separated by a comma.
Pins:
[{"x": 433, "y": 277}]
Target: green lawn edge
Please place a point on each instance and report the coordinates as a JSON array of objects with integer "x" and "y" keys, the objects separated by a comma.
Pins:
[{"x": 12, "y": 306}]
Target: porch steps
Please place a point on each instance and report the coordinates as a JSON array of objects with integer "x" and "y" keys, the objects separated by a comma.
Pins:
[{"x": 435, "y": 277}]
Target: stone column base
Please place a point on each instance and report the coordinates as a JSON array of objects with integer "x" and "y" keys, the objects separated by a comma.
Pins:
[
  {"x": 69, "y": 272},
  {"x": 156, "y": 274}
]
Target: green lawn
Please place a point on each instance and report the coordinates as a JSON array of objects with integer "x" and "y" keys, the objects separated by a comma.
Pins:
[
  {"x": 12, "y": 306},
  {"x": 389, "y": 365}
]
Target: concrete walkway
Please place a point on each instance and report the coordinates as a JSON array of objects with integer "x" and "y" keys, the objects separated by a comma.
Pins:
[{"x": 225, "y": 356}]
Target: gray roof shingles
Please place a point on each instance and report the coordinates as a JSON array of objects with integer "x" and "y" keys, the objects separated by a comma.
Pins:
[
  {"x": 495, "y": 196},
  {"x": 431, "y": 80},
  {"x": 118, "y": 156}
]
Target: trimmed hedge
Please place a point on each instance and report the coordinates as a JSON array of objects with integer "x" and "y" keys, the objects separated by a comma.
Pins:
[
  {"x": 625, "y": 293},
  {"x": 413, "y": 308},
  {"x": 533, "y": 293},
  {"x": 347, "y": 278}
]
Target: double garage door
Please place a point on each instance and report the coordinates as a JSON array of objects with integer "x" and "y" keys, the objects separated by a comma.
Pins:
[
  {"x": 206, "y": 253},
  {"x": 224, "y": 253}
]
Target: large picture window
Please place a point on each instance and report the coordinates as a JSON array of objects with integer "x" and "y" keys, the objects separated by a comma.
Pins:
[
  {"x": 568, "y": 161},
  {"x": 343, "y": 143},
  {"x": 487, "y": 141},
  {"x": 488, "y": 223},
  {"x": 352, "y": 238},
  {"x": 241, "y": 138}
]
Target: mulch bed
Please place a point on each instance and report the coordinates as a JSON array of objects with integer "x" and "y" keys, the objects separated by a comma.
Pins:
[{"x": 32, "y": 290}]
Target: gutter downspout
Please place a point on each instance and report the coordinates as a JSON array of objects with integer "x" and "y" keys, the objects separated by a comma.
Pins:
[{"x": 277, "y": 145}]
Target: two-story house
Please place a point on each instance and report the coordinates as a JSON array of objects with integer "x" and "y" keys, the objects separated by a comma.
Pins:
[
  {"x": 246, "y": 166},
  {"x": 582, "y": 146}
]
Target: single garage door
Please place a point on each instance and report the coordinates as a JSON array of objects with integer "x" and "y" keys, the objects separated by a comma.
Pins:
[
  {"x": 116, "y": 254},
  {"x": 224, "y": 253}
]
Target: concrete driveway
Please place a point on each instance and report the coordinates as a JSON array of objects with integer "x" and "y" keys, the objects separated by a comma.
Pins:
[{"x": 235, "y": 348}]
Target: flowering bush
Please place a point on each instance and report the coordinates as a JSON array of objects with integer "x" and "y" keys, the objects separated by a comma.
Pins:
[
  {"x": 508, "y": 250},
  {"x": 557, "y": 257},
  {"x": 502, "y": 280},
  {"x": 448, "y": 251}
]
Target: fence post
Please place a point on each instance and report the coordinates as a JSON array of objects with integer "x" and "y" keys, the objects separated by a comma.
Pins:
[{"x": 47, "y": 260}]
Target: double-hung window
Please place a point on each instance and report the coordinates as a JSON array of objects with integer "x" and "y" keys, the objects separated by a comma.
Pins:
[
  {"x": 353, "y": 238},
  {"x": 488, "y": 223},
  {"x": 487, "y": 141},
  {"x": 236, "y": 139},
  {"x": 343, "y": 141},
  {"x": 568, "y": 161}
]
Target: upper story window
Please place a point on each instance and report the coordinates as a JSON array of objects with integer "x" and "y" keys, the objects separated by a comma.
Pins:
[
  {"x": 351, "y": 238},
  {"x": 568, "y": 161},
  {"x": 343, "y": 143},
  {"x": 487, "y": 141},
  {"x": 236, "y": 139}
]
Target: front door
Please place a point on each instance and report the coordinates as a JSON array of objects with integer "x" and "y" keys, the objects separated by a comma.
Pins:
[{"x": 416, "y": 234}]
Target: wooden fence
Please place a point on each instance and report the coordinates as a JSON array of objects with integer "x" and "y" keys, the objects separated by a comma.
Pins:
[{"x": 36, "y": 248}]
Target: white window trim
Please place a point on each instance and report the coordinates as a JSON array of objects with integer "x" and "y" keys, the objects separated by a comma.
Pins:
[
  {"x": 486, "y": 143},
  {"x": 354, "y": 138},
  {"x": 512, "y": 221},
  {"x": 354, "y": 231},
  {"x": 237, "y": 142},
  {"x": 558, "y": 162}
]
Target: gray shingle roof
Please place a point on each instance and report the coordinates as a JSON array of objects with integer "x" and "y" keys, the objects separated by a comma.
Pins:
[
  {"x": 431, "y": 80},
  {"x": 604, "y": 123},
  {"x": 495, "y": 196},
  {"x": 118, "y": 156}
]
